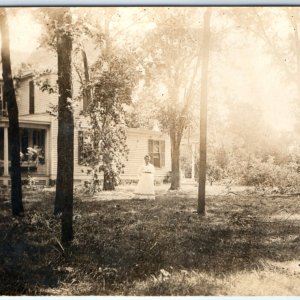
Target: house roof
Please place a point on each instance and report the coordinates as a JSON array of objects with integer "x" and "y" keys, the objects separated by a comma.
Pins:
[{"x": 145, "y": 131}]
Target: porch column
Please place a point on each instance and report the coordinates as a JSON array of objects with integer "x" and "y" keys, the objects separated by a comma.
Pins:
[
  {"x": 46, "y": 151},
  {"x": 6, "y": 173},
  {"x": 30, "y": 138},
  {"x": 193, "y": 161}
]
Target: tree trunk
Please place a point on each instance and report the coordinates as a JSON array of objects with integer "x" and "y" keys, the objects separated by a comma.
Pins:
[
  {"x": 13, "y": 117},
  {"x": 65, "y": 138},
  {"x": 203, "y": 113},
  {"x": 175, "y": 164},
  {"x": 87, "y": 89},
  {"x": 108, "y": 182}
]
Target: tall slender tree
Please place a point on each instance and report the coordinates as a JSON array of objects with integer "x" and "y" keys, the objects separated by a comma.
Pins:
[
  {"x": 13, "y": 117},
  {"x": 65, "y": 139},
  {"x": 171, "y": 66},
  {"x": 203, "y": 111}
]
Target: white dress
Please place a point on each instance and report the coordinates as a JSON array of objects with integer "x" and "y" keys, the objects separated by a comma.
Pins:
[{"x": 145, "y": 186}]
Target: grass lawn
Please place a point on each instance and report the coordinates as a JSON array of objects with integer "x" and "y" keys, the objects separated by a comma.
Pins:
[{"x": 245, "y": 245}]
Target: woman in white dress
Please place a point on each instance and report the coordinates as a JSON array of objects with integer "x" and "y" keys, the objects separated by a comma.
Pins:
[{"x": 145, "y": 186}]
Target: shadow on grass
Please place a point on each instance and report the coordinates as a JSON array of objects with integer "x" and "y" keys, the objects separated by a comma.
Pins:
[
  {"x": 138, "y": 238},
  {"x": 28, "y": 252},
  {"x": 120, "y": 242}
]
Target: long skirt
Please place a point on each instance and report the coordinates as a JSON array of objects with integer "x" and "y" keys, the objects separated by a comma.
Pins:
[{"x": 145, "y": 187}]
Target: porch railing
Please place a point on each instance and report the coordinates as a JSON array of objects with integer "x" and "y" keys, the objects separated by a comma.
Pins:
[{"x": 31, "y": 168}]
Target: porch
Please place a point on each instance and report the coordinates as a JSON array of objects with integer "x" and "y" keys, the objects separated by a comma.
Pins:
[{"x": 34, "y": 152}]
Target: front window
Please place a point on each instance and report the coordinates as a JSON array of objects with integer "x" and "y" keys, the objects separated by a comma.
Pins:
[
  {"x": 84, "y": 149},
  {"x": 156, "y": 149}
]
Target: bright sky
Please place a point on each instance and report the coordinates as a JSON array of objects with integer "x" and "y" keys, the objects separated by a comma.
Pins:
[
  {"x": 269, "y": 91},
  {"x": 24, "y": 33}
]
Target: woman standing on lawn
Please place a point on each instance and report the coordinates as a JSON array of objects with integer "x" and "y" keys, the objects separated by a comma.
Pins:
[{"x": 145, "y": 186}]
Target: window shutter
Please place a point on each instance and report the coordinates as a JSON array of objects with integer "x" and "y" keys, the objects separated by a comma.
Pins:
[
  {"x": 80, "y": 147},
  {"x": 31, "y": 97},
  {"x": 162, "y": 153},
  {"x": 150, "y": 149}
]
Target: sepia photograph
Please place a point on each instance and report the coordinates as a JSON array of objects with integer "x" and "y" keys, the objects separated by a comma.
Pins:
[{"x": 150, "y": 151}]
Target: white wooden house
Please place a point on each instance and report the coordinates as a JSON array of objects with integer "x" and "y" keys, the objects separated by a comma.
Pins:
[{"x": 38, "y": 130}]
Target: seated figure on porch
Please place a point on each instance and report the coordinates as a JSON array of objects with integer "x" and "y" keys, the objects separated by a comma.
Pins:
[
  {"x": 32, "y": 156},
  {"x": 145, "y": 186}
]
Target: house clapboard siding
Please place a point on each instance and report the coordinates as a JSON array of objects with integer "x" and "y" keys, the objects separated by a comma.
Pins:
[
  {"x": 137, "y": 142},
  {"x": 53, "y": 147},
  {"x": 41, "y": 99},
  {"x": 80, "y": 171}
]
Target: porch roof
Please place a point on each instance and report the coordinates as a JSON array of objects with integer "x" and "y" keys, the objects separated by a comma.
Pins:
[{"x": 34, "y": 120}]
